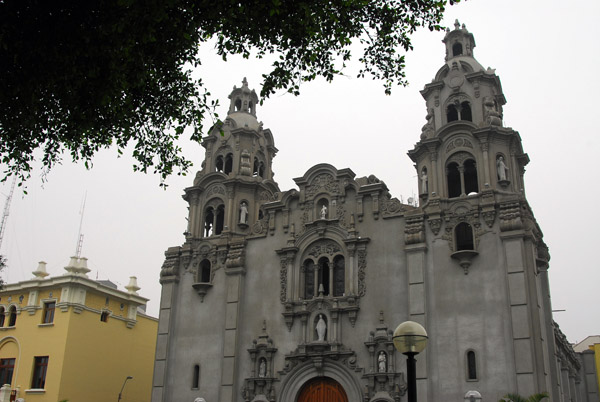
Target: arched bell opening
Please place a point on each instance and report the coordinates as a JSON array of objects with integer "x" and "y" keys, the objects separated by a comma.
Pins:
[
  {"x": 457, "y": 49},
  {"x": 228, "y": 168}
]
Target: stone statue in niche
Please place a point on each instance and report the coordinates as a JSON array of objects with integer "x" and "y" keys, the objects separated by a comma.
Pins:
[
  {"x": 382, "y": 362},
  {"x": 502, "y": 168},
  {"x": 262, "y": 368},
  {"x": 324, "y": 212},
  {"x": 321, "y": 329},
  {"x": 243, "y": 212},
  {"x": 424, "y": 183}
]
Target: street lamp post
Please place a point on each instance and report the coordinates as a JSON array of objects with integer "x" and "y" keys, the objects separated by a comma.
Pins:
[
  {"x": 123, "y": 387},
  {"x": 410, "y": 338}
]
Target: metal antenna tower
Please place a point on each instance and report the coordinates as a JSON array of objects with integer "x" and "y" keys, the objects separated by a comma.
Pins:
[
  {"x": 80, "y": 236},
  {"x": 6, "y": 209}
]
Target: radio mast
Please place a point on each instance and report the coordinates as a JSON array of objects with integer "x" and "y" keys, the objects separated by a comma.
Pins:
[
  {"x": 80, "y": 236},
  {"x": 6, "y": 210}
]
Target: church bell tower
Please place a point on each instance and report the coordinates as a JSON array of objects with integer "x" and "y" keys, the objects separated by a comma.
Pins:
[{"x": 236, "y": 176}]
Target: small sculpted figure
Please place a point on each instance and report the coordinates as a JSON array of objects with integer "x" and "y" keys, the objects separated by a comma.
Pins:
[
  {"x": 262, "y": 369},
  {"x": 321, "y": 328},
  {"x": 244, "y": 213},
  {"x": 424, "y": 181},
  {"x": 382, "y": 362},
  {"x": 502, "y": 168},
  {"x": 324, "y": 212}
]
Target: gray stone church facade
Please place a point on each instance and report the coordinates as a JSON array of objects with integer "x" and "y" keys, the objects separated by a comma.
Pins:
[{"x": 277, "y": 294}]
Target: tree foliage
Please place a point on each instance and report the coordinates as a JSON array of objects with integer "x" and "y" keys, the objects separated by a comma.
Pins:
[{"x": 78, "y": 76}]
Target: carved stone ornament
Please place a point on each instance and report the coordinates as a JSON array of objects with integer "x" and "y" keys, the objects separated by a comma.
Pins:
[
  {"x": 170, "y": 268},
  {"x": 215, "y": 189},
  {"x": 324, "y": 248},
  {"x": 245, "y": 167},
  {"x": 414, "y": 230},
  {"x": 459, "y": 143},
  {"x": 261, "y": 226},
  {"x": 391, "y": 207},
  {"x": 260, "y": 385},
  {"x": 283, "y": 278},
  {"x": 362, "y": 268},
  {"x": 510, "y": 216},
  {"x": 325, "y": 182},
  {"x": 382, "y": 376},
  {"x": 459, "y": 158},
  {"x": 435, "y": 224}
]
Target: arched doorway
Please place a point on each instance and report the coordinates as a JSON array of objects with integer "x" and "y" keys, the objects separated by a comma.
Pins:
[{"x": 322, "y": 389}]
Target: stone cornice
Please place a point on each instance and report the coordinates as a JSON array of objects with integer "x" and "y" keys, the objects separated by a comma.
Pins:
[{"x": 73, "y": 280}]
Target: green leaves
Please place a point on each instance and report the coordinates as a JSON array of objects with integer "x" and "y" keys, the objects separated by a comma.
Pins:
[{"x": 81, "y": 76}]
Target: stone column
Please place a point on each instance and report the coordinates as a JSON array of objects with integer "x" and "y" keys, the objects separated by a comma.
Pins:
[
  {"x": 235, "y": 273},
  {"x": 416, "y": 250},
  {"x": 170, "y": 287},
  {"x": 486, "y": 162},
  {"x": 461, "y": 170},
  {"x": 433, "y": 181}
]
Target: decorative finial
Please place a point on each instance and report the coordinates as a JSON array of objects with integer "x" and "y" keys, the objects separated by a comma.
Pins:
[
  {"x": 464, "y": 26},
  {"x": 456, "y": 24},
  {"x": 132, "y": 287},
  {"x": 245, "y": 82},
  {"x": 264, "y": 326},
  {"x": 40, "y": 272},
  {"x": 381, "y": 317}
]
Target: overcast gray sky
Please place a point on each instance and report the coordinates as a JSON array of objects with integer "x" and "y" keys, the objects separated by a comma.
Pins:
[{"x": 546, "y": 54}]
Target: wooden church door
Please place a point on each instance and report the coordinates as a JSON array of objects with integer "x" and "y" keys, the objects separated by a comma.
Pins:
[{"x": 322, "y": 390}]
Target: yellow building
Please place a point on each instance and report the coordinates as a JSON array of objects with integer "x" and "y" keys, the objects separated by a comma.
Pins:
[{"x": 73, "y": 338}]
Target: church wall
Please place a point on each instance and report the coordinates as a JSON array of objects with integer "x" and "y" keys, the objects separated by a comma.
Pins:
[{"x": 468, "y": 312}]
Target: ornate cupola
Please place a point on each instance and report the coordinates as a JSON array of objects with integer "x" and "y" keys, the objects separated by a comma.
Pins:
[
  {"x": 236, "y": 176},
  {"x": 464, "y": 149},
  {"x": 243, "y": 100}
]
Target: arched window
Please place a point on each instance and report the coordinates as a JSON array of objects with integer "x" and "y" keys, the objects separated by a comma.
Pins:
[
  {"x": 196, "y": 377},
  {"x": 261, "y": 169},
  {"x": 464, "y": 237},
  {"x": 453, "y": 175},
  {"x": 228, "y": 164},
  {"x": 451, "y": 113},
  {"x": 238, "y": 105},
  {"x": 323, "y": 276},
  {"x": 209, "y": 218},
  {"x": 461, "y": 175},
  {"x": 219, "y": 163},
  {"x": 471, "y": 366},
  {"x": 255, "y": 168},
  {"x": 2, "y": 312},
  {"x": 214, "y": 220},
  {"x": 465, "y": 111},
  {"x": 309, "y": 279},
  {"x": 470, "y": 177},
  {"x": 457, "y": 49},
  {"x": 12, "y": 318},
  {"x": 326, "y": 274},
  {"x": 204, "y": 272},
  {"x": 339, "y": 279}
]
